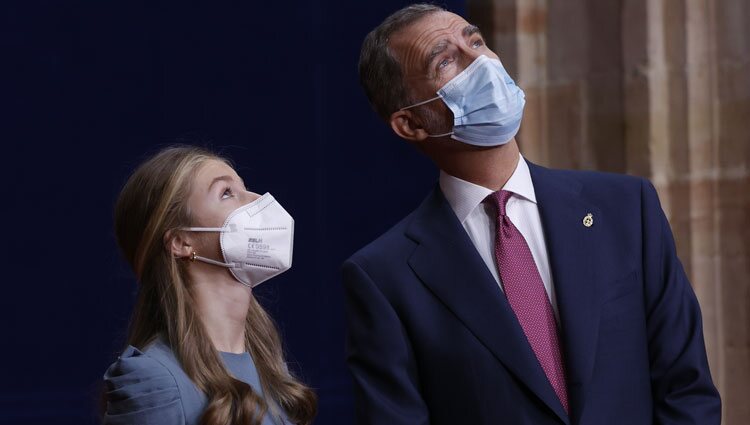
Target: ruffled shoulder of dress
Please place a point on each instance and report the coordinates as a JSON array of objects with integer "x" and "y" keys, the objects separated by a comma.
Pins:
[{"x": 141, "y": 390}]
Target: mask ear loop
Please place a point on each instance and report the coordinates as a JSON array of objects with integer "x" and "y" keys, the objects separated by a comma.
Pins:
[
  {"x": 194, "y": 255},
  {"x": 450, "y": 133},
  {"x": 229, "y": 228},
  {"x": 424, "y": 102}
]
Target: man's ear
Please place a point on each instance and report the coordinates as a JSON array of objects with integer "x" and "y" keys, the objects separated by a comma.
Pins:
[
  {"x": 405, "y": 126},
  {"x": 178, "y": 243}
]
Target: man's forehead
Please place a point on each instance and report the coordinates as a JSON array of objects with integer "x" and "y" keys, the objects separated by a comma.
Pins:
[
  {"x": 433, "y": 24},
  {"x": 413, "y": 41}
]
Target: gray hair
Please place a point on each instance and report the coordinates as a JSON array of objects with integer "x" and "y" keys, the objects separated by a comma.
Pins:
[{"x": 379, "y": 71}]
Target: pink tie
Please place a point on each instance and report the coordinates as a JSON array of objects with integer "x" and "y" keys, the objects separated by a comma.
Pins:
[{"x": 527, "y": 297}]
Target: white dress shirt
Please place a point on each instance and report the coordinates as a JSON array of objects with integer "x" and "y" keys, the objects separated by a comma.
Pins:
[{"x": 478, "y": 218}]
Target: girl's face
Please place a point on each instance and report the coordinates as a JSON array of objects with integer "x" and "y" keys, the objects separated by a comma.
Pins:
[{"x": 217, "y": 191}]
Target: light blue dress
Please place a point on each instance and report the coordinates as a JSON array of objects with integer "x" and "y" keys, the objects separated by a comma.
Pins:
[{"x": 149, "y": 387}]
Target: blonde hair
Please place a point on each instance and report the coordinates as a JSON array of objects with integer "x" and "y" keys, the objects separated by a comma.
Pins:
[{"x": 153, "y": 201}]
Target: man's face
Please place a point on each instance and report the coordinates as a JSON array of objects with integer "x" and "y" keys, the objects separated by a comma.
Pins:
[{"x": 435, "y": 49}]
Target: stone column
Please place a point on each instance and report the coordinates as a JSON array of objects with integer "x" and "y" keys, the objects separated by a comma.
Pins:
[{"x": 661, "y": 89}]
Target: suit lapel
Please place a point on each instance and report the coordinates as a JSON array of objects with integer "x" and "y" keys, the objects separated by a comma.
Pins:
[
  {"x": 448, "y": 264},
  {"x": 572, "y": 249}
]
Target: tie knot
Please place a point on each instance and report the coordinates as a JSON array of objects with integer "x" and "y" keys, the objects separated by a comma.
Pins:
[{"x": 500, "y": 200}]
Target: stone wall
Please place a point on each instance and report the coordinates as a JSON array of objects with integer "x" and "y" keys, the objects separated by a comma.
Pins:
[{"x": 661, "y": 89}]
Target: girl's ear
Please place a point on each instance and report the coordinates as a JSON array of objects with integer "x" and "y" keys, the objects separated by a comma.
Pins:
[{"x": 178, "y": 243}]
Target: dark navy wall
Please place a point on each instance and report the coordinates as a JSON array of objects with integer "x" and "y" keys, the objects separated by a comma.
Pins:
[{"x": 90, "y": 87}]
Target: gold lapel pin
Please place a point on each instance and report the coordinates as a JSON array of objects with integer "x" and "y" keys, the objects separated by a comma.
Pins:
[{"x": 588, "y": 221}]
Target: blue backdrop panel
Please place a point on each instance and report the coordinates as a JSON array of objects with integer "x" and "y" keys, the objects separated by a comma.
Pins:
[{"x": 90, "y": 88}]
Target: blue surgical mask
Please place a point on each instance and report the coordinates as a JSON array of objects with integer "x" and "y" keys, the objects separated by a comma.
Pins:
[{"x": 487, "y": 105}]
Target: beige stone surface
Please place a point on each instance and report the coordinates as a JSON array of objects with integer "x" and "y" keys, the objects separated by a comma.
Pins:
[{"x": 661, "y": 89}]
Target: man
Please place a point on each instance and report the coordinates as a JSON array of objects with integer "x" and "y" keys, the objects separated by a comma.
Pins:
[{"x": 514, "y": 294}]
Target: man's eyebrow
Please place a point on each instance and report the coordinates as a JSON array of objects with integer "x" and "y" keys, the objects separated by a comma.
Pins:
[
  {"x": 438, "y": 49},
  {"x": 470, "y": 30}
]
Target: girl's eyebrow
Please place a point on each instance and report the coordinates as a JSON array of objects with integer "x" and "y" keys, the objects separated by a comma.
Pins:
[{"x": 220, "y": 178}]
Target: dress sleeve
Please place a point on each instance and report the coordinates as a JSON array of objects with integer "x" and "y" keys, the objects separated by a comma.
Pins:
[{"x": 140, "y": 390}]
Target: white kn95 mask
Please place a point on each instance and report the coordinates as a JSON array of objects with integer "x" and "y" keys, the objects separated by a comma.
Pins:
[{"x": 256, "y": 241}]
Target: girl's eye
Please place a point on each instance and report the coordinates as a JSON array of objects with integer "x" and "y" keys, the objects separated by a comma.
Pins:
[{"x": 227, "y": 193}]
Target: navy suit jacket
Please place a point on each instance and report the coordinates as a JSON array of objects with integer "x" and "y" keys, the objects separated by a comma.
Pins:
[{"x": 432, "y": 339}]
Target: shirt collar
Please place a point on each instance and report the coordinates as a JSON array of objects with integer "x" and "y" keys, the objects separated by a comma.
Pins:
[{"x": 464, "y": 196}]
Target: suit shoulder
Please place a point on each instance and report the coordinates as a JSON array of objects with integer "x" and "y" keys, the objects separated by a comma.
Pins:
[
  {"x": 604, "y": 180},
  {"x": 620, "y": 194},
  {"x": 609, "y": 187},
  {"x": 390, "y": 245}
]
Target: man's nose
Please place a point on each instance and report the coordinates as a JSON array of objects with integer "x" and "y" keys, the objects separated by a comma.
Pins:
[{"x": 467, "y": 55}]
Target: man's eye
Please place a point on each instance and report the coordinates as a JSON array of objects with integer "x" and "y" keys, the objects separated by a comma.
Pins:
[
  {"x": 227, "y": 193},
  {"x": 443, "y": 63},
  {"x": 478, "y": 43}
]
